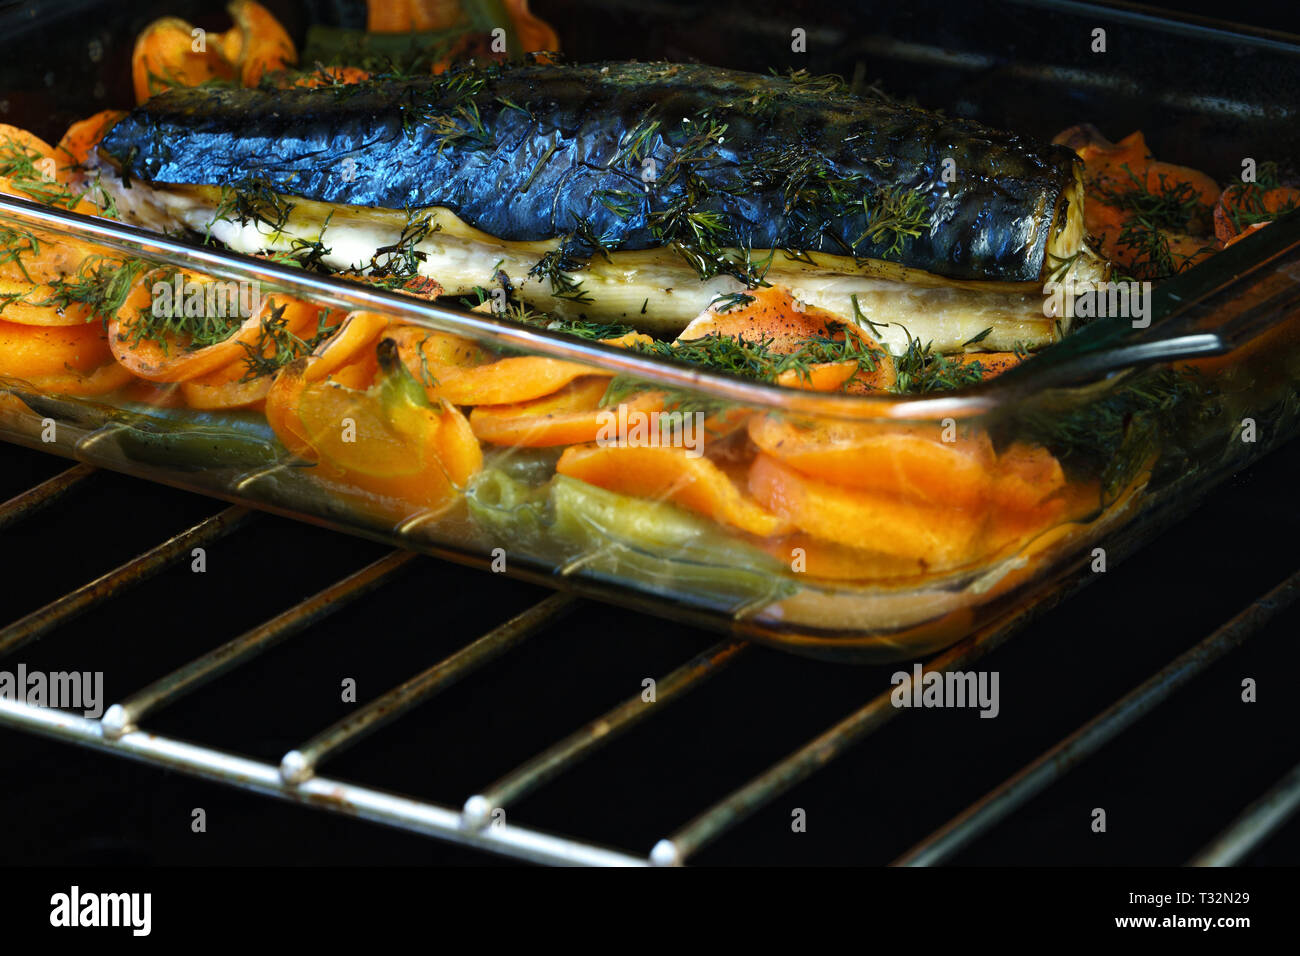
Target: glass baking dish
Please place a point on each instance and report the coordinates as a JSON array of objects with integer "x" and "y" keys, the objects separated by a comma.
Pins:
[{"x": 851, "y": 527}]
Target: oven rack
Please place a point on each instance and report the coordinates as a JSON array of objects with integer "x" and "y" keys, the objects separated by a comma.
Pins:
[{"x": 297, "y": 779}]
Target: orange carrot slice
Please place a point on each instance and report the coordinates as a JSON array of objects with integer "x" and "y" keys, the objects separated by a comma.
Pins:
[
  {"x": 458, "y": 370},
  {"x": 822, "y": 377},
  {"x": 165, "y": 56},
  {"x": 992, "y": 364},
  {"x": 52, "y": 163},
  {"x": 173, "y": 361},
  {"x": 33, "y": 351},
  {"x": 264, "y": 45},
  {"x": 939, "y": 537},
  {"x": 83, "y": 136},
  {"x": 105, "y": 379},
  {"x": 357, "y": 334},
  {"x": 914, "y": 464},
  {"x": 535, "y": 35},
  {"x": 226, "y": 388},
  {"x": 839, "y": 562},
  {"x": 671, "y": 474},
  {"x": 774, "y": 316},
  {"x": 569, "y": 416}
]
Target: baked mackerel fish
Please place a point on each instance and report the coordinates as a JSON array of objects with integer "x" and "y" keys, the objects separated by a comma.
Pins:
[{"x": 636, "y": 193}]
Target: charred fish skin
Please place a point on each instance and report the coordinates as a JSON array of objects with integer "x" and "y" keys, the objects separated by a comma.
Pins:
[{"x": 630, "y": 156}]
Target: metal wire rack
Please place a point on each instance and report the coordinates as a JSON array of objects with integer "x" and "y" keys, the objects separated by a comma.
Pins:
[{"x": 298, "y": 777}]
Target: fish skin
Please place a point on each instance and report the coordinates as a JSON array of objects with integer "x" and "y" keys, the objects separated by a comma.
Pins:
[{"x": 992, "y": 223}]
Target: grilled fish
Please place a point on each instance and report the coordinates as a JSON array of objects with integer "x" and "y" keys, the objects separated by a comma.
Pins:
[{"x": 627, "y": 192}]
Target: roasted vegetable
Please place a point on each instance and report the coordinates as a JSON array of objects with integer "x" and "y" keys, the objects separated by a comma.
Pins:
[{"x": 171, "y": 52}]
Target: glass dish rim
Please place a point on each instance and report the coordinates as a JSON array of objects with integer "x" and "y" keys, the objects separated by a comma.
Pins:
[{"x": 1179, "y": 293}]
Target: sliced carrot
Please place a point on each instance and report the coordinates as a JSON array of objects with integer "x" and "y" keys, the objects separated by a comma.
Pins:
[
  {"x": 939, "y": 537},
  {"x": 460, "y": 371},
  {"x": 360, "y": 372},
  {"x": 358, "y": 333},
  {"x": 1025, "y": 476},
  {"x": 507, "y": 380},
  {"x": 28, "y": 309},
  {"x": 402, "y": 459},
  {"x": 670, "y": 474},
  {"x": 331, "y": 76},
  {"x": 629, "y": 340},
  {"x": 775, "y": 317},
  {"x": 840, "y": 562},
  {"x": 34, "y": 263},
  {"x": 1249, "y": 230},
  {"x": 83, "y": 136},
  {"x": 164, "y": 57},
  {"x": 569, "y": 416},
  {"x": 1161, "y": 177},
  {"x": 456, "y": 446},
  {"x": 105, "y": 379},
  {"x": 535, "y": 35},
  {"x": 1129, "y": 166},
  {"x": 264, "y": 45},
  {"x": 420, "y": 348},
  {"x": 52, "y": 162},
  {"x": 174, "y": 361},
  {"x": 34, "y": 352},
  {"x": 226, "y": 388},
  {"x": 36, "y": 258},
  {"x": 1100, "y": 155},
  {"x": 822, "y": 377},
  {"x": 281, "y": 409},
  {"x": 165, "y": 52},
  {"x": 1250, "y": 198},
  {"x": 772, "y": 314},
  {"x": 992, "y": 364},
  {"x": 913, "y": 464},
  {"x": 388, "y": 16},
  {"x": 411, "y": 454}
]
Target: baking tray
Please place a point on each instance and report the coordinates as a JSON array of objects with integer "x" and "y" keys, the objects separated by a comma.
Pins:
[{"x": 1173, "y": 399}]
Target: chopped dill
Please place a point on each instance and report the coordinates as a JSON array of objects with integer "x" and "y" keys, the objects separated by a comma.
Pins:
[
  {"x": 893, "y": 214},
  {"x": 254, "y": 200},
  {"x": 1248, "y": 206},
  {"x": 920, "y": 369},
  {"x": 276, "y": 346},
  {"x": 401, "y": 259}
]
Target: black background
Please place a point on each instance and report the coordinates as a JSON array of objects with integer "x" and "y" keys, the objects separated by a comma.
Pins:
[{"x": 1168, "y": 785}]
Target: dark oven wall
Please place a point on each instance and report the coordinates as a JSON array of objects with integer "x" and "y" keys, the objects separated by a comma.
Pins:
[{"x": 1028, "y": 66}]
